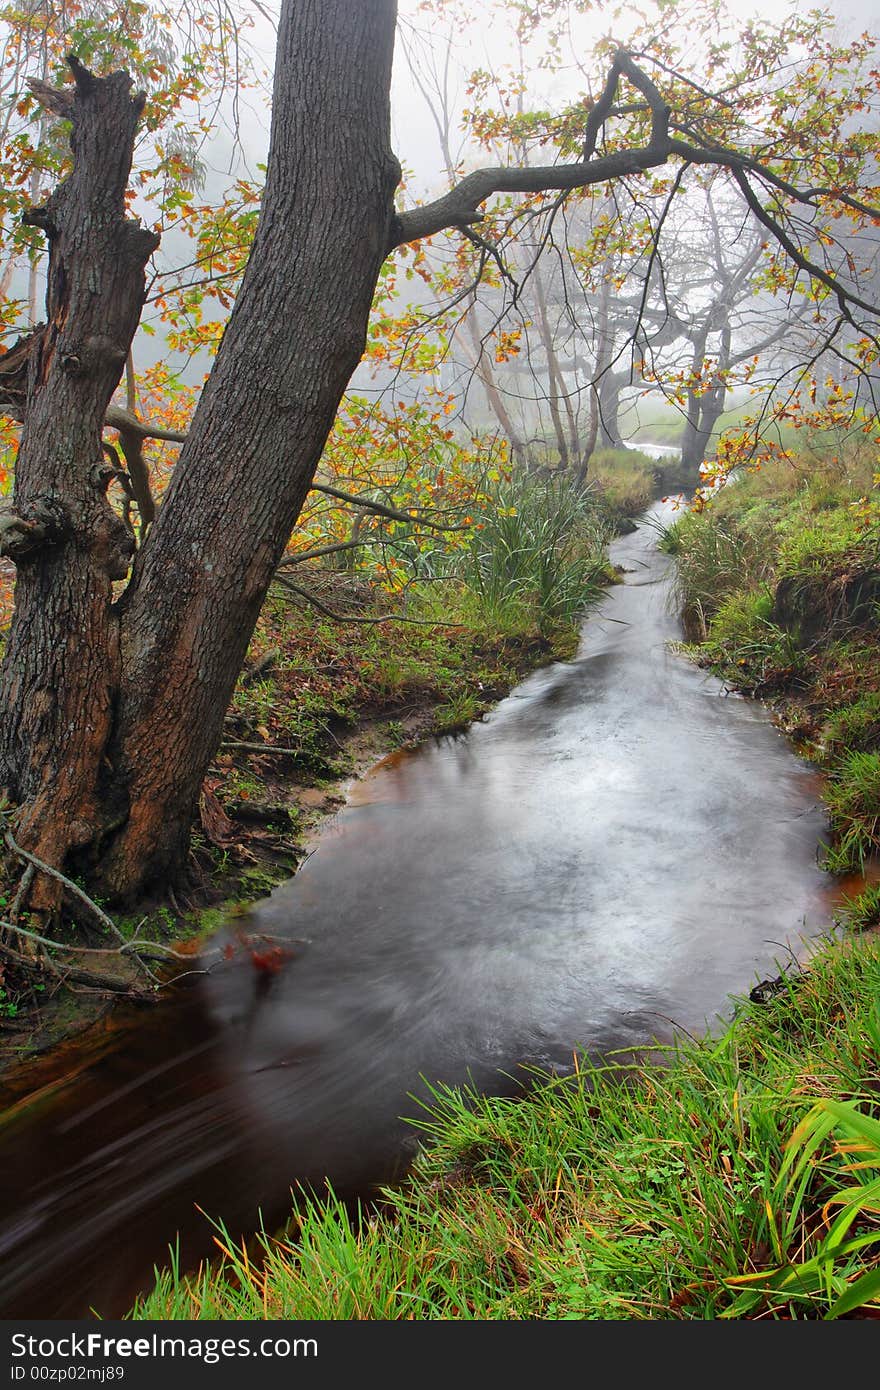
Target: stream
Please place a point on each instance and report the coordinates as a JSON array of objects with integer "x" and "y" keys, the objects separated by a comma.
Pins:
[{"x": 615, "y": 850}]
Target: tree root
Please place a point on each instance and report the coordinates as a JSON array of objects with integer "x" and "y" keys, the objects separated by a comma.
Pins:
[
  {"x": 136, "y": 952},
  {"x": 74, "y": 888}
]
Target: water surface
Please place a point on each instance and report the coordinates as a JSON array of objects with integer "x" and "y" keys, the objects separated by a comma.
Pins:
[{"x": 616, "y": 849}]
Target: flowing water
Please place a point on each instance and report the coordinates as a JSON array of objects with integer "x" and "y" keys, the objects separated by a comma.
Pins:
[{"x": 615, "y": 850}]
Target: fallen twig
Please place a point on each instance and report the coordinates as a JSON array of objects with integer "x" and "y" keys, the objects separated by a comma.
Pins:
[
  {"x": 69, "y": 884},
  {"x": 136, "y": 948},
  {"x": 27, "y": 879},
  {"x": 259, "y": 747}
]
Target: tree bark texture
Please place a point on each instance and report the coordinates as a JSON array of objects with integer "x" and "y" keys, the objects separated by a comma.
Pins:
[
  {"x": 296, "y": 334},
  {"x": 61, "y": 669}
]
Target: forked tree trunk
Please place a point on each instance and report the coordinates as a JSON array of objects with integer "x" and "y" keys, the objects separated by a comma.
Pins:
[
  {"x": 705, "y": 407},
  {"x": 111, "y": 713}
]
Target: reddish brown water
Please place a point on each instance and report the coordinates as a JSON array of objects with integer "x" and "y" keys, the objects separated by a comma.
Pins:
[{"x": 615, "y": 850}]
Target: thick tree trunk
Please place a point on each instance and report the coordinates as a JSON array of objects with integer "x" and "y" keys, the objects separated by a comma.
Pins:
[
  {"x": 295, "y": 336},
  {"x": 61, "y": 668}
]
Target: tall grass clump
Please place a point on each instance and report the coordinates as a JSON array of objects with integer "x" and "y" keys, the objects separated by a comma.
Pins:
[
  {"x": 855, "y": 725},
  {"x": 714, "y": 559},
  {"x": 538, "y": 549},
  {"x": 853, "y": 797},
  {"x": 745, "y": 642}
]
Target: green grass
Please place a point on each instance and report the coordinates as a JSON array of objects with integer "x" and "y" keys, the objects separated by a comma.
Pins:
[
  {"x": 745, "y": 645},
  {"x": 734, "y": 1177},
  {"x": 778, "y": 579},
  {"x": 625, "y": 478},
  {"x": 718, "y": 1183},
  {"x": 855, "y": 725},
  {"x": 538, "y": 554},
  {"x": 862, "y": 912},
  {"x": 812, "y": 543},
  {"x": 715, "y": 559},
  {"x": 853, "y": 797}
]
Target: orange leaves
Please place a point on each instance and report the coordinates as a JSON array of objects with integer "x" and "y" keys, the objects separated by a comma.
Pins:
[
  {"x": 507, "y": 345},
  {"x": 404, "y": 455}
]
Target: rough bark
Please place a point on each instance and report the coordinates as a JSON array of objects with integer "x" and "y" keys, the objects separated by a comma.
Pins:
[
  {"x": 61, "y": 669},
  {"x": 295, "y": 336}
]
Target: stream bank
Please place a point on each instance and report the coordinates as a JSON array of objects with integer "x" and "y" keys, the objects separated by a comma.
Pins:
[
  {"x": 779, "y": 582},
  {"x": 674, "y": 1196},
  {"x": 563, "y": 881},
  {"x": 600, "y": 1196}
]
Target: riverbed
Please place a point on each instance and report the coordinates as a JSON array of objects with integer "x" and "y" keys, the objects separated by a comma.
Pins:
[{"x": 607, "y": 857}]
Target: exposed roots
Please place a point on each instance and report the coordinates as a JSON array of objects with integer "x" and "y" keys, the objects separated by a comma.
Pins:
[{"x": 133, "y": 960}]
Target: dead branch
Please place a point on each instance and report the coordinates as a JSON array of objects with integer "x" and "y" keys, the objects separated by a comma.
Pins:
[
  {"x": 259, "y": 668},
  {"x": 322, "y": 550},
  {"x": 74, "y": 888},
  {"x": 118, "y": 418},
  {"x": 24, "y": 888},
  {"x": 259, "y": 747},
  {"x": 380, "y": 509},
  {"x": 351, "y": 617}
]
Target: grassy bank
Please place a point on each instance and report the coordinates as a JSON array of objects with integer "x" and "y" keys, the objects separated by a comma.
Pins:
[
  {"x": 737, "y": 1177},
  {"x": 734, "y": 1177},
  {"x": 779, "y": 583}
]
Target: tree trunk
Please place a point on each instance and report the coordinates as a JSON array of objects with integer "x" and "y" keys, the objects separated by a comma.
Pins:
[
  {"x": 601, "y": 370},
  {"x": 692, "y": 441},
  {"x": 295, "y": 336},
  {"x": 112, "y": 711},
  {"x": 705, "y": 409},
  {"x": 609, "y": 409},
  {"x": 483, "y": 368},
  {"x": 555, "y": 379},
  {"x": 61, "y": 669}
]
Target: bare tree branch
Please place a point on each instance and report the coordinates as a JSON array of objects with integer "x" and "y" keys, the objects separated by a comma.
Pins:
[{"x": 380, "y": 509}]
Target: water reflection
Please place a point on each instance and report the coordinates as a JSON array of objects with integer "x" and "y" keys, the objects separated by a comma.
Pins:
[{"x": 616, "y": 848}]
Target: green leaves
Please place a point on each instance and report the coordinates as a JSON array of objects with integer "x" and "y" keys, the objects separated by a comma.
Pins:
[{"x": 834, "y": 1276}]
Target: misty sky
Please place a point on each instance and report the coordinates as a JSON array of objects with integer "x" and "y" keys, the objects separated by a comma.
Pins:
[{"x": 413, "y": 132}]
